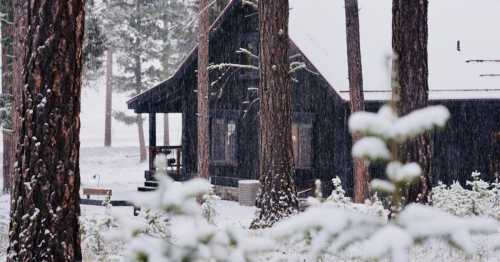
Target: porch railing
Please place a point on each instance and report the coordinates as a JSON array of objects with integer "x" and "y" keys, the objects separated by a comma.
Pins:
[{"x": 174, "y": 159}]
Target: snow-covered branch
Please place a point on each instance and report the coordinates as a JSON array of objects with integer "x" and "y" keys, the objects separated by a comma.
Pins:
[{"x": 232, "y": 65}]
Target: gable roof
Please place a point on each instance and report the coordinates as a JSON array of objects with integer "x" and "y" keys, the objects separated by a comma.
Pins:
[{"x": 318, "y": 30}]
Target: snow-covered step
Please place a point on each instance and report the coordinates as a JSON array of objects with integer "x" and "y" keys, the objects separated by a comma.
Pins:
[
  {"x": 151, "y": 183},
  {"x": 146, "y": 189}
]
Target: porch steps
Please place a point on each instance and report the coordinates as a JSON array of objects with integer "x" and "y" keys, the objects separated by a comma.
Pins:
[{"x": 149, "y": 185}]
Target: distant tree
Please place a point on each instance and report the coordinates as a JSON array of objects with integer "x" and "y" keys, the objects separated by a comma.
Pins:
[
  {"x": 137, "y": 29},
  {"x": 356, "y": 91},
  {"x": 202, "y": 90},
  {"x": 6, "y": 100},
  {"x": 94, "y": 47},
  {"x": 178, "y": 35},
  {"x": 410, "y": 81},
  {"x": 108, "y": 112},
  {"x": 45, "y": 199},
  {"x": 277, "y": 198},
  {"x": 94, "y": 44}
]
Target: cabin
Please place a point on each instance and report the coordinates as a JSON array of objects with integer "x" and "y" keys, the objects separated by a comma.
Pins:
[{"x": 321, "y": 141}]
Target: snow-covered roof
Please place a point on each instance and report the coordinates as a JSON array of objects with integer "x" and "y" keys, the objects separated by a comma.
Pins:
[
  {"x": 440, "y": 94},
  {"x": 318, "y": 28}
]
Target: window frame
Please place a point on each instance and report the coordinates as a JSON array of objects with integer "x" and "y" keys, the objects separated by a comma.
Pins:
[{"x": 226, "y": 159}]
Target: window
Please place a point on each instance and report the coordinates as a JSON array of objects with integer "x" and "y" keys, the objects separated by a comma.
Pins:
[
  {"x": 223, "y": 142},
  {"x": 302, "y": 149}
]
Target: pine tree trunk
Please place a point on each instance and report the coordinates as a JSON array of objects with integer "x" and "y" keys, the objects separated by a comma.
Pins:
[
  {"x": 166, "y": 137},
  {"x": 20, "y": 32},
  {"x": 109, "y": 97},
  {"x": 7, "y": 8},
  {"x": 9, "y": 159},
  {"x": 409, "y": 42},
  {"x": 355, "y": 69},
  {"x": 277, "y": 198},
  {"x": 45, "y": 199},
  {"x": 142, "y": 142},
  {"x": 203, "y": 124}
]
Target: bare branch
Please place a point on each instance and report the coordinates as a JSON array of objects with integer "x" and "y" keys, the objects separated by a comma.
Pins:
[
  {"x": 226, "y": 65},
  {"x": 247, "y": 52}
]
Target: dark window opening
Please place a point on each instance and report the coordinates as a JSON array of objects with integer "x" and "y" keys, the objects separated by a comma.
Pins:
[
  {"x": 223, "y": 142},
  {"x": 302, "y": 149}
]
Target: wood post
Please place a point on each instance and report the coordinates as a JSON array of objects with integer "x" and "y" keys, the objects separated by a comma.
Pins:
[{"x": 152, "y": 139}]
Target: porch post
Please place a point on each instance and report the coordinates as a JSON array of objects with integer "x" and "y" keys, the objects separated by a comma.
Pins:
[
  {"x": 152, "y": 129},
  {"x": 152, "y": 140}
]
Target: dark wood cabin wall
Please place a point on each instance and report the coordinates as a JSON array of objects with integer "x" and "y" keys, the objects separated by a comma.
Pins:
[
  {"x": 468, "y": 142},
  {"x": 312, "y": 94},
  {"x": 189, "y": 124},
  {"x": 227, "y": 94}
]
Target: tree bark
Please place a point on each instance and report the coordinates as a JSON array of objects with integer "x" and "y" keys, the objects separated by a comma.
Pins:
[
  {"x": 355, "y": 69},
  {"x": 277, "y": 198},
  {"x": 7, "y": 8},
  {"x": 109, "y": 97},
  {"x": 20, "y": 32},
  {"x": 409, "y": 42},
  {"x": 9, "y": 148},
  {"x": 45, "y": 199},
  {"x": 203, "y": 122},
  {"x": 166, "y": 136}
]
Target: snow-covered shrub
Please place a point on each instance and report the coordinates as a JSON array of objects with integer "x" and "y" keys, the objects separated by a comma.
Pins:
[
  {"x": 192, "y": 237},
  {"x": 329, "y": 227},
  {"x": 382, "y": 131},
  {"x": 97, "y": 245},
  {"x": 326, "y": 229},
  {"x": 338, "y": 193},
  {"x": 481, "y": 200},
  {"x": 4, "y": 234},
  {"x": 339, "y": 199},
  {"x": 208, "y": 207}
]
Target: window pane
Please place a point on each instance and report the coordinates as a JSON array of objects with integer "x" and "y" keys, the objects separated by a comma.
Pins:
[
  {"x": 305, "y": 152},
  {"x": 231, "y": 142},
  {"x": 295, "y": 143},
  {"x": 218, "y": 139}
]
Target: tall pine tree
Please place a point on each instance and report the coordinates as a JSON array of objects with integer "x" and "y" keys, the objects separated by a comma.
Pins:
[
  {"x": 137, "y": 29},
  {"x": 6, "y": 100},
  {"x": 277, "y": 198},
  {"x": 411, "y": 89},
  {"x": 355, "y": 69},
  {"x": 45, "y": 199}
]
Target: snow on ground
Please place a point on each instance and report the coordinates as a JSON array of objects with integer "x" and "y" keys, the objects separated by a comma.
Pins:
[{"x": 120, "y": 170}]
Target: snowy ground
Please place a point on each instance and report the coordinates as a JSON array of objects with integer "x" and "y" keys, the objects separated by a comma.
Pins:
[{"x": 119, "y": 169}]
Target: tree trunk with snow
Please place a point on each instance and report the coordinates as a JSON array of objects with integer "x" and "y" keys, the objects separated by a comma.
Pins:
[
  {"x": 166, "y": 136},
  {"x": 109, "y": 97},
  {"x": 409, "y": 42},
  {"x": 277, "y": 198},
  {"x": 7, "y": 8},
  {"x": 45, "y": 199},
  {"x": 355, "y": 69},
  {"x": 203, "y": 123}
]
